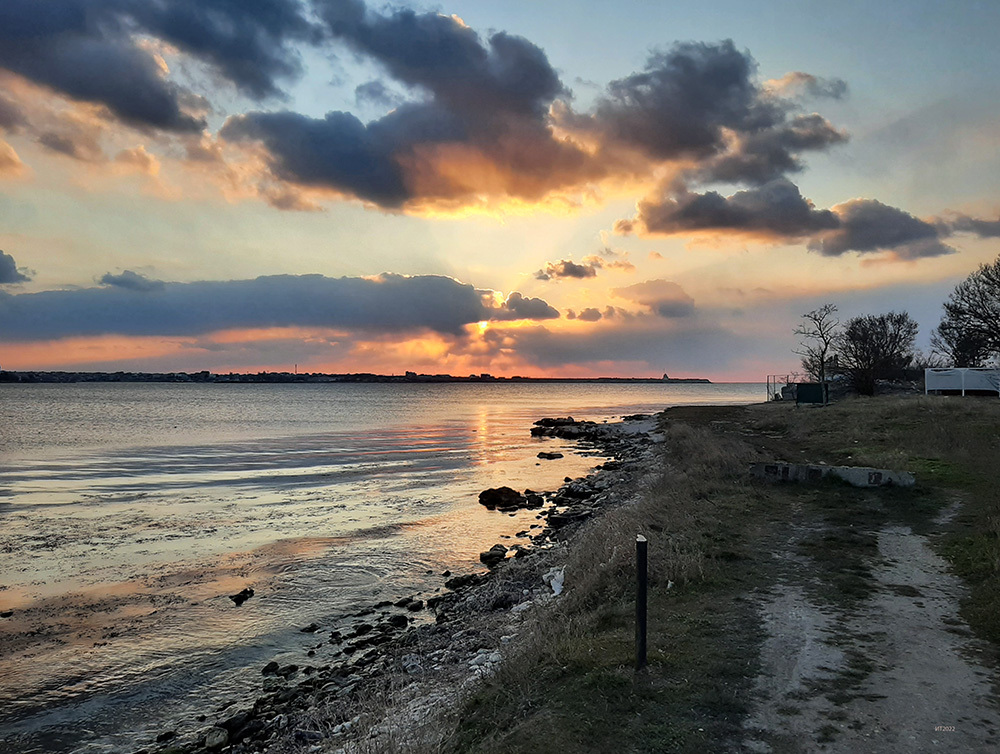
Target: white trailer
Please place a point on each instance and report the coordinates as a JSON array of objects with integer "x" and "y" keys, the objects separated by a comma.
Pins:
[{"x": 962, "y": 379}]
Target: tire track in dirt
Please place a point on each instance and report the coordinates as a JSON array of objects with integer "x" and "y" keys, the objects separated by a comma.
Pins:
[{"x": 896, "y": 672}]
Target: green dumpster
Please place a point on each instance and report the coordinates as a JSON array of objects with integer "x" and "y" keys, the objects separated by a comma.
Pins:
[{"x": 812, "y": 392}]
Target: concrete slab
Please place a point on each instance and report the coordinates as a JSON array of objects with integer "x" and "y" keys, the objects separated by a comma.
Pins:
[{"x": 857, "y": 476}]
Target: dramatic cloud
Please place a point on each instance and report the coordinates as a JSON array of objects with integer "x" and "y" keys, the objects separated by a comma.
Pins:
[
  {"x": 775, "y": 210},
  {"x": 82, "y": 50},
  {"x": 477, "y": 120},
  {"x": 663, "y": 297},
  {"x": 132, "y": 281},
  {"x": 590, "y": 314},
  {"x": 90, "y": 50},
  {"x": 8, "y": 270},
  {"x": 481, "y": 131},
  {"x": 250, "y": 42},
  {"x": 491, "y": 124},
  {"x": 387, "y": 303},
  {"x": 866, "y": 225},
  {"x": 442, "y": 54},
  {"x": 485, "y": 119},
  {"x": 337, "y": 152},
  {"x": 700, "y": 102},
  {"x": 680, "y": 105}
]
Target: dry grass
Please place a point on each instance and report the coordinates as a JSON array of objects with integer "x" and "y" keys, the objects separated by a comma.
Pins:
[
  {"x": 400, "y": 718},
  {"x": 569, "y": 685},
  {"x": 675, "y": 508}
]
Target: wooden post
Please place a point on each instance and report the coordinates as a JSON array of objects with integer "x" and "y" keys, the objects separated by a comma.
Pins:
[{"x": 640, "y": 602}]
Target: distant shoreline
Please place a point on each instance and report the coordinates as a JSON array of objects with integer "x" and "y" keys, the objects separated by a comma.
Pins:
[{"x": 317, "y": 377}]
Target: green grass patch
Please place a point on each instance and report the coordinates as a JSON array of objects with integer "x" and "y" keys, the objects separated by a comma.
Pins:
[
  {"x": 974, "y": 557},
  {"x": 942, "y": 473}
]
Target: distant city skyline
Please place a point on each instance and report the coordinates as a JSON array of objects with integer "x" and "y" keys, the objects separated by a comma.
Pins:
[{"x": 535, "y": 189}]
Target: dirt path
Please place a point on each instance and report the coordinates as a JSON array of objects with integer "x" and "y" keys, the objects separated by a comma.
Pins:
[{"x": 896, "y": 670}]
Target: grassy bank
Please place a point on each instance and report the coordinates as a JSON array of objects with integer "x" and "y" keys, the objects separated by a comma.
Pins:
[{"x": 569, "y": 684}]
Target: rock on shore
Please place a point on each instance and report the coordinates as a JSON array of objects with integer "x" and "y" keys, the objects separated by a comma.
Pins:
[{"x": 507, "y": 499}]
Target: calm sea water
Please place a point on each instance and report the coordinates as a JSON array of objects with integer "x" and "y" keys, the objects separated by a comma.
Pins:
[{"x": 130, "y": 511}]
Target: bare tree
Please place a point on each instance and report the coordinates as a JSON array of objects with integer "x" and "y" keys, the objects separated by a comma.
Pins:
[
  {"x": 960, "y": 346},
  {"x": 969, "y": 333},
  {"x": 876, "y": 347},
  {"x": 819, "y": 331}
]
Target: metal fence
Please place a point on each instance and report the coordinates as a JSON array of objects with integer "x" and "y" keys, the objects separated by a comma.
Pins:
[{"x": 782, "y": 386}]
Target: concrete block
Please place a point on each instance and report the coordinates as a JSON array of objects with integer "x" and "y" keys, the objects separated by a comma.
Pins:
[{"x": 857, "y": 476}]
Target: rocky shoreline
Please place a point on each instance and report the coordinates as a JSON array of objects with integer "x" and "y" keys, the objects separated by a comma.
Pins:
[{"x": 426, "y": 649}]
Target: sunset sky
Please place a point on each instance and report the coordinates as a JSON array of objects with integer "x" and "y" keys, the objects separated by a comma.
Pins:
[{"x": 529, "y": 187}]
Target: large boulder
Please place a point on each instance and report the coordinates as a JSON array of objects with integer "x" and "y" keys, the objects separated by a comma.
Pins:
[
  {"x": 493, "y": 556},
  {"x": 216, "y": 738},
  {"x": 398, "y": 621},
  {"x": 502, "y": 498}
]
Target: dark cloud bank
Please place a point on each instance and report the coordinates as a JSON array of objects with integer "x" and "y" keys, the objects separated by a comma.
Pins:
[
  {"x": 131, "y": 304},
  {"x": 777, "y": 211}
]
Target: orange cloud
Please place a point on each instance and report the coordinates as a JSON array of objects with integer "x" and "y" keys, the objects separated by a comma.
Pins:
[{"x": 58, "y": 354}]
